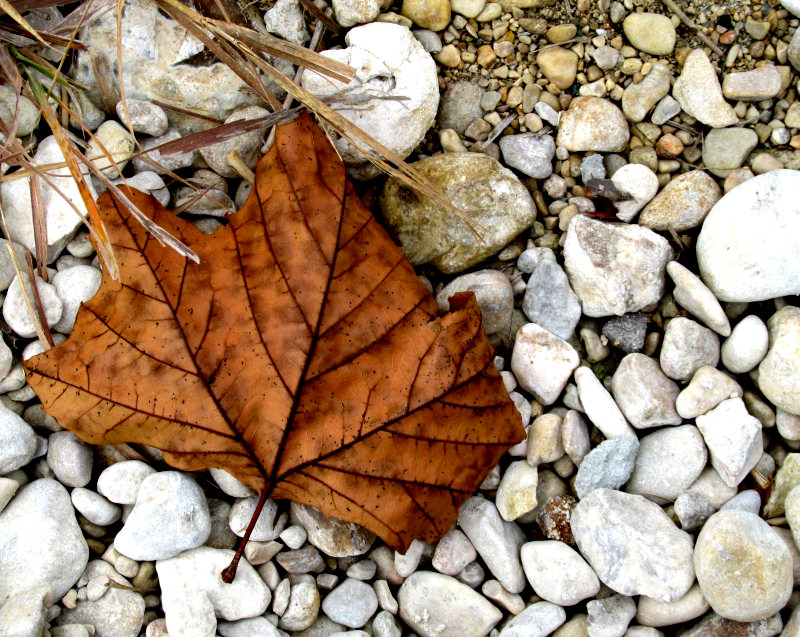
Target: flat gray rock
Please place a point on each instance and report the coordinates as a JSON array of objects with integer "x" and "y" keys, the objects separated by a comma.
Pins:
[
  {"x": 607, "y": 466},
  {"x": 549, "y": 300}
]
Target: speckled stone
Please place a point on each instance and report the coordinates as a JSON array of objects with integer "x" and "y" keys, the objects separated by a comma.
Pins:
[{"x": 743, "y": 567}]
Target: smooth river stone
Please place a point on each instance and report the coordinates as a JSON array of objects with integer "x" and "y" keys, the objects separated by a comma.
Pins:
[{"x": 747, "y": 247}]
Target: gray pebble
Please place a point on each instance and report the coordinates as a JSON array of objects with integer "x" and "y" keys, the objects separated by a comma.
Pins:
[
  {"x": 608, "y": 465},
  {"x": 70, "y": 459},
  {"x": 549, "y": 300}
]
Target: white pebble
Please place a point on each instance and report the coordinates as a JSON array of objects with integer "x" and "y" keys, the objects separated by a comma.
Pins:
[{"x": 746, "y": 346}]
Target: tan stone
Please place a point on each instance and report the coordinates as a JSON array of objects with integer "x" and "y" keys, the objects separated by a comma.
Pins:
[
  {"x": 558, "y": 65},
  {"x": 428, "y": 14}
]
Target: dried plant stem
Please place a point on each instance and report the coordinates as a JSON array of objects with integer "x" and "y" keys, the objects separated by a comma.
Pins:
[
  {"x": 236, "y": 162},
  {"x": 230, "y": 571},
  {"x": 40, "y": 333}
]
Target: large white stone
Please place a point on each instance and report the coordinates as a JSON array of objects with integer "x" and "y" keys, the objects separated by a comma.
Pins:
[
  {"x": 747, "y": 248},
  {"x": 170, "y": 516},
  {"x": 193, "y": 594},
  {"x": 41, "y": 543},
  {"x": 390, "y": 63},
  {"x": 632, "y": 545},
  {"x": 744, "y": 569}
]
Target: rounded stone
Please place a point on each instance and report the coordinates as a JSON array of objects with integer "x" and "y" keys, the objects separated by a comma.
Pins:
[
  {"x": 121, "y": 481},
  {"x": 683, "y": 203},
  {"x": 652, "y": 33},
  {"x": 70, "y": 458},
  {"x": 593, "y": 123},
  {"x": 435, "y": 604},
  {"x": 725, "y": 149},
  {"x": 15, "y": 307},
  {"x": 744, "y": 569},
  {"x": 493, "y": 293},
  {"x": 557, "y": 573},
  {"x": 687, "y": 347},
  {"x": 559, "y": 65},
  {"x": 351, "y": 603},
  {"x": 668, "y": 462},
  {"x": 117, "y": 144},
  {"x": 747, "y": 249},
  {"x": 428, "y": 14},
  {"x": 746, "y": 346},
  {"x": 779, "y": 372},
  {"x": 476, "y": 184}
]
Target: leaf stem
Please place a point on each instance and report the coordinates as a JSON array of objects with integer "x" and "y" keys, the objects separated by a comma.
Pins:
[{"x": 230, "y": 571}]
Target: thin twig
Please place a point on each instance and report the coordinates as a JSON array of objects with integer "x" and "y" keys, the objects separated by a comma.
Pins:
[{"x": 672, "y": 6}]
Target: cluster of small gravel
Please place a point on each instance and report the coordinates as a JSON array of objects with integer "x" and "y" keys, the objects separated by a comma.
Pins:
[{"x": 654, "y": 361}]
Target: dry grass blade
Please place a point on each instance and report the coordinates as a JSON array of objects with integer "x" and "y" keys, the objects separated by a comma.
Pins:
[
  {"x": 57, "y": 40},
  {"x": 37, "y": 301},
  {"x": 185, "y": 111},
  {"x": 229, "y": 50},
  {"x": 295, "y": 54},
  {"x": 84, "y": 14},
  {"x": 321, "y": 15},
  {"x": 39, "y": 226},
  {"x": 37, "y": 325},
  {"x": 96, "y": 226},
  {"x": 9, "y": 9},
  {"x": 163, "y": 237},
  {"x": 31, "y": 5},
  {"x": 221, "y": 133}
]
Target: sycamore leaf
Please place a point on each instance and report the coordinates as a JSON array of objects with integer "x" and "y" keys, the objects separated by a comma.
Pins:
[{"x": 302, "y": 354}]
